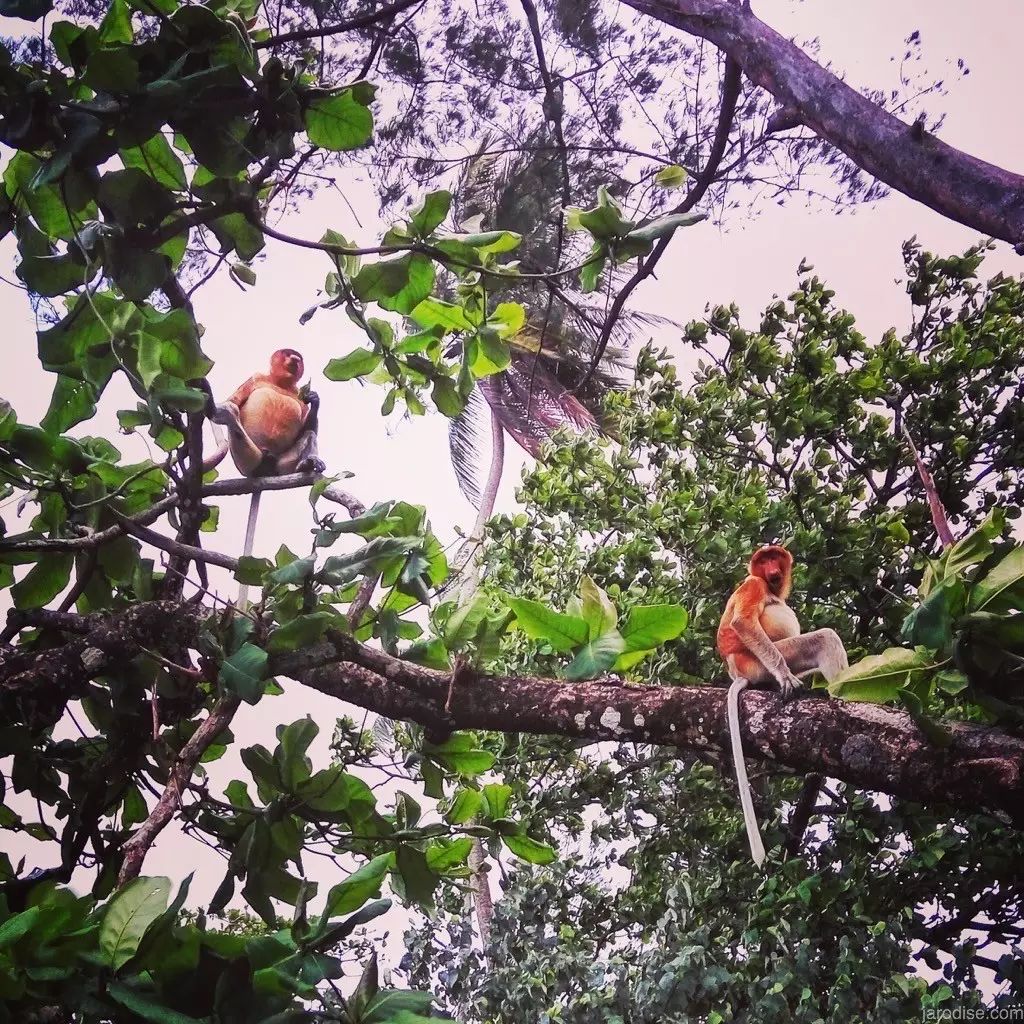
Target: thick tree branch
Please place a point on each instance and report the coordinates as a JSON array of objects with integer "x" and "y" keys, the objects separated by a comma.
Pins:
[
  {"x": 870, "y": 747},
  {"x": 954, "y": 184}
]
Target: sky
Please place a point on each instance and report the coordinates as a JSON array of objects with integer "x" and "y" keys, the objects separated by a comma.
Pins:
[{"x": 745, "y": 261}]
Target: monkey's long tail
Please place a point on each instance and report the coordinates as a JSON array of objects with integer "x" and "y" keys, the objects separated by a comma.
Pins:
[
  {"x": 732, "y": 701},
  {"x": 250, "y": 538}
]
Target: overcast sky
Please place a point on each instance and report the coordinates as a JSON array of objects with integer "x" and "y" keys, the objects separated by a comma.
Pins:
[{"x": 748, "y": 262}]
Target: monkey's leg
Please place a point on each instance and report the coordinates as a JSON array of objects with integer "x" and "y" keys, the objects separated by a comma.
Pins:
[
  {"x": 301, "y": 457},
  {"x": 246, "y": 455},
  {"x": 739, "y": 764},
  {"x": 821, "y": 651}
]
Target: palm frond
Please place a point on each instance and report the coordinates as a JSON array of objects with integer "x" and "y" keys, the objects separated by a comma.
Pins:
[
  {"x": 467, "y": 446},
  {"x": 531, "y": 403}
]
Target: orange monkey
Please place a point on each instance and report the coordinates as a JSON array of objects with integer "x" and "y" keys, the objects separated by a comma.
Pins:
[
  {"x": 759, "y": 638},
  {"x": 271, "y": 428}
]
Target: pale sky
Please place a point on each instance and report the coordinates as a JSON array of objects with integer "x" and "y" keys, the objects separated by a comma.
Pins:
[{"x": 857, "y": 253}]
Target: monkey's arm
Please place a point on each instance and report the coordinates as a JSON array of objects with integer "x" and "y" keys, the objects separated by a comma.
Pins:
[
  {"x": 243, "y": 391},
  {"x": 748, "y": 604}
]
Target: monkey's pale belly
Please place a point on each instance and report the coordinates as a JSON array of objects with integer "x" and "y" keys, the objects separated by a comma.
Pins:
[
  {"x": 272, "y": 421},
  {"x": 779, "y": 621}
]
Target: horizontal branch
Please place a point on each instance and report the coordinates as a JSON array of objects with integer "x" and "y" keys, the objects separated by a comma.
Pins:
[
  {"x": 953, "y": 183},
  {"x": 219, "y": 488},
  {"x": 867, "y": 746},
  {"x": 349, "y": 25}
]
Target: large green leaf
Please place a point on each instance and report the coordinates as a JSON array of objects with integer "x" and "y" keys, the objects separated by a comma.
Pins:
[
  {"x": 563, "y": 632},
  {"x": 339, "y": 122},
  {"x": 360, "y": 886},
  {"x": 647, "y": 626},
  {"x": 1002, "y": 587},
  {"x": 529, "y": 849},
  {"x": 245, "y": 672},
  {"x": 596, "y": 656},
  {"x": 156, "y": 159},
  {"x": 128, "y": 915},
  {"x": 879, "y": 678},
  {"x": 357, "y": 363},
  {"x": 400, "y": 284}
]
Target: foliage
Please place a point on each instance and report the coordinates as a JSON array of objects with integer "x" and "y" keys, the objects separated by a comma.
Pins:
[
  {"x": 143, "y": 134},
  {"x": 654, "y": 911},
  {"x": 967, "y": 632}
]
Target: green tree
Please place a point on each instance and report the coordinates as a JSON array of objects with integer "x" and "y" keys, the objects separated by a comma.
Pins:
[{"x": 156, "y": 129}]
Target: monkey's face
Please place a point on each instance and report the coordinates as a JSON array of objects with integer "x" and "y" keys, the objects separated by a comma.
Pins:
[
  {"x": 774, "y": 565},
  {"x": 286, "y": 362}
]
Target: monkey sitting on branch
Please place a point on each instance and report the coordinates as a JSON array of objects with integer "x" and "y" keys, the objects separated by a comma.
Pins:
[
  {"x": 759, "y": 638},
  {"x": 272, "y": 430}
]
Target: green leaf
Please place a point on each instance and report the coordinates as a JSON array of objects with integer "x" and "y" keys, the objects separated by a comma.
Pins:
[
  {"x": 146, "y": 1007},
  {"x": 116, "y": 26},
  {"x": 598, "y": 612},
  {"x": 1002, "y": 587},
  {"x": 128, "y": 915},
  {"x": 438, "y": 313},
  {"x": 399, "y": 285},
  {"x": 156, "y": 159},
  {"x": 45, "y": 580},
  {"x": 662, "y": 226},
  {"x": 251, "y": 570},
  {"x": 497, "y": 796},
  {"x": 597, "y": 656},
  {"x": 671, "y": 177},
  {"x": 879, "y": 678},
  {"x": 447, "y": 398},
  {"x": 443, "y": 855},
  {"x": 338, "y": 122},
  {"x": 30, "y": 10},
  {"x": 529, "y": 849},
  {"x": 300, "y": 632},
  {"x": 466, "y": 806},
  {"x": 357, "y": 363},
  {"x": 360, "y": 886},
  {"x": 428, "y": 216},
  {"x": 391, "y": 1005},
  {"x": 244, "y": 672},
  {"x": 931, "y": 623},
  {"x": 17, "y": 926},
  {"x": 132, "y": 197},
  {"x": 647, "y": 626},
  {"x": 169, "y": 344},
  {"x": 563, "y": 632},
  {"x": 295, "y": 739}
]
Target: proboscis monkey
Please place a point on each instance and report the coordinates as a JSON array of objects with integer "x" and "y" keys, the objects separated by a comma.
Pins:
[
  {"x": 759, "y": 638},
  {"x": 272, "y": 430}
]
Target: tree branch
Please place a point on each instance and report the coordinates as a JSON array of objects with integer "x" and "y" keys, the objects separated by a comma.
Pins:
[
  {"x": 731, "y": 82},
  {"x": 865, "y": 745},
  {"x": 953, "y": 183},
  {"x": 362, "y": 21},
  {"x": 138, "y": 846}
]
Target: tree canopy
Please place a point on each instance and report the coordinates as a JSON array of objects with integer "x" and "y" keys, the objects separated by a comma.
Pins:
[{"x": 554, "y": 725}]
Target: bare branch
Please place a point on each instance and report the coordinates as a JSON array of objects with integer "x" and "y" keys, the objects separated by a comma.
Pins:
[
  {"x": 362, "y": 21},
  {"x": 138, "y": 846},
  {"x": 731, "y": 81}
]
